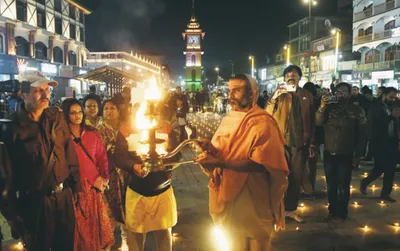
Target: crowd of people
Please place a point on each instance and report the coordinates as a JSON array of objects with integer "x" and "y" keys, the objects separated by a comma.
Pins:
[{"x": 75, "y": 179}]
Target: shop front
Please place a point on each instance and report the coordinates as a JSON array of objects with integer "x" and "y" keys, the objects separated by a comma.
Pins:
[{"x": 8, "y": 67}]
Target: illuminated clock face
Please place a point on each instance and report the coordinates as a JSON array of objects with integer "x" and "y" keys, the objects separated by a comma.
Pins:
[{"x": 193, "y": 41}]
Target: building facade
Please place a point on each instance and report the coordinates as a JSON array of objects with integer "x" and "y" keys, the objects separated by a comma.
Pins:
[
  {"x": 133, "y": 63},
  {"x": 43, "y": 35},
  {"x": 301, "y": 35},
  {"x": 326, "y": 65},
  {"x": 193, "y": 36},
  {"x": 376, "y": 35}
]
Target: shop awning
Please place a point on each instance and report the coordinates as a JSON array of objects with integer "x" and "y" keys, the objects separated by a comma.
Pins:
[{"x": 109, "y": 75}]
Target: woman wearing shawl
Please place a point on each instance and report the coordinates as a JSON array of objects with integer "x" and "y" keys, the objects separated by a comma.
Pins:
[
  {"x": 248, "y": 171},
  {"x": 93, "y": 229}
]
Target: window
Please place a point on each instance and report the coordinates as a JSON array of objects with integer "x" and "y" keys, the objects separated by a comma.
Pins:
[
  {"x": 361, "y": 32},
  {"x": 193, "y": 58},
  {"x": 368, "y": 31},
  {"x": 57, "y": 5},
  {"x": 81, "y": 17},
  {"x": 390, "y": 25},
  {"x": 22, "y": 46},
  {"x": 40, "y": 51},
  {"x": 41, "y": 1},
  {"x": 72, "y": 12},
  {"x": 372, "y": 56},
  {"x": 304, "y": 27},
  {"x": 392, "y": 53},
  {"x": 193, "y": 75},
  {"x": 21, "y": 10},
  {"x": 71, "y": 58},
  {"x": 293, "y": 32},
  {"x": 58, "y": 24},
  {"x": 82, "y": 34},
  {"x": 72, "y": 31},
  {"x": 58, "y": 55},
  {"x": 305, "y": 44},
  {"x": 1, "y": 43},
  {"x": 41, "y": 18}
]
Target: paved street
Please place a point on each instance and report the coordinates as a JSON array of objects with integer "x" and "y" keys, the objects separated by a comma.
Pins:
[{"x": 194, "y": 229}]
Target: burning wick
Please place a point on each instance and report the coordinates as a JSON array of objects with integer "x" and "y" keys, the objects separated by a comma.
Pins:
[
  {"x": 365, "y": 175},
  {"x": 301, "y": 205},
  {"x": 396, "y": 224},
  {"x": 20, "y": 246},
  {"x": 355, "y": 203},
  {"x": 297, "y": 229},
  {"x": 382, "y": 203},
  {"x": 366, "y": 228},
  {"x": 396, "y": 186}
]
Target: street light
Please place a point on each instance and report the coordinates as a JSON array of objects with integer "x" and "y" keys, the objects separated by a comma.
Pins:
[
  {"x": 310, "y": 4},
  {"x": 336, "y": 31},
  {"x": 217, "y": 70},
  {"x": 251, "y": 58},
  {"x": 287, "y": 48}
]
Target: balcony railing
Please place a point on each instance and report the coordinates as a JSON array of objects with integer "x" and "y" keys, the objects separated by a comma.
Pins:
[
  {"x": 378, "y": 9},
  {"x": 363, "y": 39},
  {"x": 377, "y": 36},
  {"x": 375, "y": 10},
  {"x": 383, "y": 35},
  {"x": 362, "y": 14},
  {"x": 375, "y": 66}
]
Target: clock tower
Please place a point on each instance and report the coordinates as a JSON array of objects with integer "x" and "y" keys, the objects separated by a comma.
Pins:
[{"x": 193, "y": 36}]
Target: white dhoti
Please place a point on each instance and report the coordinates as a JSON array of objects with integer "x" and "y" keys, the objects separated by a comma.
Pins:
[{"x": 147, "y": 214}]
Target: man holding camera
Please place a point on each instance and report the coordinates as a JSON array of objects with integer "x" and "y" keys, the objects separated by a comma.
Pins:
[
  {"x": 45, "y": 170},
  {"x": 292, "y": 108},
  {"x": 345, "y": 127}
]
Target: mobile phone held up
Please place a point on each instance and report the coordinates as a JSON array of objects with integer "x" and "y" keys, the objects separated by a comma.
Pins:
[{"x": 288, "y": 87}]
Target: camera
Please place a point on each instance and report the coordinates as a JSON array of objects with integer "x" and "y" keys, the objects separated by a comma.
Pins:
[{"x": 331, "y": 99}]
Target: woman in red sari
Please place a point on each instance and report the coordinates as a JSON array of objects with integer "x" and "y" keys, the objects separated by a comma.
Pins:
[{"x": 93, "y": 230}]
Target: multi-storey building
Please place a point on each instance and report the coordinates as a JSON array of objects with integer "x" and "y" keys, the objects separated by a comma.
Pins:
[
  {"x": 376, "y": 35},
  {"x": 139, "y": 68},
  {"x": 43, "y": 35},
  {"x": 326, "y": 64},
  {"x": 302, "y": 33}
]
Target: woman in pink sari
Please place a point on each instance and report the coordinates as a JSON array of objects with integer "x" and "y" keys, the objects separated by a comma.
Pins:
[{"x": 93, "y": 230}]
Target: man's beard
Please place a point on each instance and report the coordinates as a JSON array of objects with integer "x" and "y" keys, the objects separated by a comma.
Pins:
[{"x": 241, "y": 105}]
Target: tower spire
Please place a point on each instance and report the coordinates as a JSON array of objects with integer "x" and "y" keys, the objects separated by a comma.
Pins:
[{"x": 193, "y": 15}]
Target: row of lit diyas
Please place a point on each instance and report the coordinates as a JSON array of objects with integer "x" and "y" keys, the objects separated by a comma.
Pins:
[{"x": 206, "y": 123}]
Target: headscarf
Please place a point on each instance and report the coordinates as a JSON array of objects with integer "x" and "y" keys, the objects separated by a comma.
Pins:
[{"x": 249, "y": 80}]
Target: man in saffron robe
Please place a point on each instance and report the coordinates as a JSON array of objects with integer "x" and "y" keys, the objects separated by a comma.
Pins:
[{"x": 248, "y": 171}]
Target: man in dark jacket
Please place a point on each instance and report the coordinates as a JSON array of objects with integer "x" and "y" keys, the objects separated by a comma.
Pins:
[
  {"x": 295, "y": 114},
  {"x": 345, "y": 126},
  {"x": 45, "y": 171},
  {"x": 384, "y": 140}
]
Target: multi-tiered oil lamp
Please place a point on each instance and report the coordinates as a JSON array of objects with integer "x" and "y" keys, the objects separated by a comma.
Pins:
[{"x": 152, "y": 145}]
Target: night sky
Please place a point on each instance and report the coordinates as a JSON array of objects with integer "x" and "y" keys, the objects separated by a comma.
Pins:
[{"x": 234, "y": 28}]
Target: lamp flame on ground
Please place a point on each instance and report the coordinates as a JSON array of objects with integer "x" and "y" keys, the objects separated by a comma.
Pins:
[{"x": 221, "y": 241}]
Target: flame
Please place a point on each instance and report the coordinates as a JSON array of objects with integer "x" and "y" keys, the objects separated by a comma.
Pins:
[
  {"x": 153, "y": 92},
  {"x": 143, "y": 122}
]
